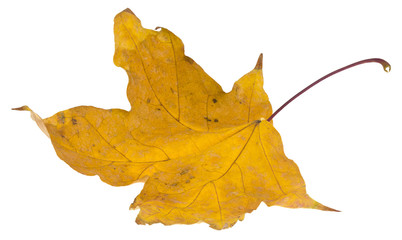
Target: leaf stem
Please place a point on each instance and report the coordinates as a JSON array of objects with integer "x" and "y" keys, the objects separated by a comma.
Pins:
[{"x": 385, "y": 65}]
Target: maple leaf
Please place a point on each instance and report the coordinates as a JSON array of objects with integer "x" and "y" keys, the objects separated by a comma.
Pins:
[{"x": 204, "y": 155}]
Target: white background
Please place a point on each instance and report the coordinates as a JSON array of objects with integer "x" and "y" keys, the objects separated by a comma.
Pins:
[{"x": 345, "y": 134}]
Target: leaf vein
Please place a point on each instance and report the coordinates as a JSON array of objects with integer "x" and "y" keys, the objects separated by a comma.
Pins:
[
  {"x": 219, "y": 204},
  {"x": 149, "y": 82},
  {"x": 238, "y": 155},
  {"x": 242, "y": 177},
  {"x": 269, "y": 162},
  {"x": 113, "y": 147},
  {"x": 249, "y": 104},
  {"x": 177, "y": 78}
]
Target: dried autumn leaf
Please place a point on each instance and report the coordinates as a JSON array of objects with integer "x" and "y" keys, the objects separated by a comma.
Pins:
[{"x": 205, "y": 155}]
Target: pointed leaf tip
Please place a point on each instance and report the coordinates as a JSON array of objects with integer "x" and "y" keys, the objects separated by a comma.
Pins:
[
  {"x": 259, "y": 62},
  {"x": 128, "y": 10},
  {"x": 325, "y": 208},
  {"x": 39, "y": 121},
  {"x": 23, "y": 108}
]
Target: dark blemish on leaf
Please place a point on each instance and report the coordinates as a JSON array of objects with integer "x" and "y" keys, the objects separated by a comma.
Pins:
[
  {"x": 93, "y": 145},
  {"x": 184, "y": 171},
  {"x": 171, "y": 89},
  {"x": 241, "y": 102},
  {"x": 214, "y": 100},
  {"x": 174, "y": 184},
  {"x": 187, "y": 181},
  {"x": 61, "y": 117},
  {"x": 63, "y": 136},
  {"x": 114, "y": 168},
  {"x": 148, "y": 100},
  {"x": 192, "y": 177},
  {"x": 207, "y": 119},
  {"x": 74, "y": 121},
  {"x": 216, "y": 120},
  {"x": 158, "y": 109}
]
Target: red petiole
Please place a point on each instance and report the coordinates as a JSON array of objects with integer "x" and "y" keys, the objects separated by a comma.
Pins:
[{"x": 385, "y": 65}]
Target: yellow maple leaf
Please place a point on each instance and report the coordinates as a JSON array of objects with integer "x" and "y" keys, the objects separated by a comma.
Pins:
[{"x": 205, "y": 155}]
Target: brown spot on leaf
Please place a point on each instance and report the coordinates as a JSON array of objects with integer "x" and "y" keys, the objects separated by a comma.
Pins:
[
  {"x": 61, "y": 117},
  {"x": 184, "y": 171},
  {"x": 216, "y": 120},
  {"x": 74, "y": 121},
  {"x": 214, "y": 100},
  {"x": 207, "y": 119}
]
